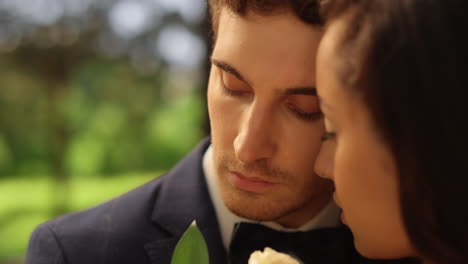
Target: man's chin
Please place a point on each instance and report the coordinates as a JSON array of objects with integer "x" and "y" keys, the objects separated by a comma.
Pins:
[
  {"x": 253, "y": 209},
  {"x": 253, "y": 215}
]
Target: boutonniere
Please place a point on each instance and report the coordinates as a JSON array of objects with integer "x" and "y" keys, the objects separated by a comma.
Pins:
[
  {"x": 191, "y": 247},
  {"x": 270, "y": 256}
]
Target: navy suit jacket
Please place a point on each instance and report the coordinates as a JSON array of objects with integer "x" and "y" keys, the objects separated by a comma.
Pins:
[{"x": 140, "y": 227}]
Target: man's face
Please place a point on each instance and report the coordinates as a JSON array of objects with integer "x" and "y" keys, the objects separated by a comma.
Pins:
[{"x": 265, "y": 119}]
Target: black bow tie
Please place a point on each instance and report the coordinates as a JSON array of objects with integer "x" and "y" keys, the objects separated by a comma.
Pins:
[{"x": 330, "y": 246}]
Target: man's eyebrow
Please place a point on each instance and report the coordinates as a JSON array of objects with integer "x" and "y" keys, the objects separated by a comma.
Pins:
[
  {"x": 302, "y": 90},
  {"x": 228, "y": 68}
]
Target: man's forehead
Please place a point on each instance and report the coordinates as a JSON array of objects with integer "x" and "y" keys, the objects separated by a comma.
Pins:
[
  {"x": 281, "y": 34},
  {"x": 251, "y": 21},
  {"x": 278, "y": 48}
]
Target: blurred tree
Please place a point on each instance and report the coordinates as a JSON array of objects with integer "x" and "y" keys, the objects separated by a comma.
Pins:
[{"x": 97, "y": 87}]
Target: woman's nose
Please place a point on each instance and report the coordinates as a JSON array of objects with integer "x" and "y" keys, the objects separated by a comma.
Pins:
[{"x": 325, "y": 159}]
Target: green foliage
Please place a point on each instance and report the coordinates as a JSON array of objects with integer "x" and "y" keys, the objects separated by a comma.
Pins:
[
  {"x": 26, "y": 202},
  {"x": 105, "y": 118},
  {"x": 80, "y": 105},
  {"x": 5, "y": 154},
  {"x": 174, "y": 128},
  {"x": 191, "y": 248},
  {"x": 73, "y": 128},
  {"x": 22, "y": 121}
]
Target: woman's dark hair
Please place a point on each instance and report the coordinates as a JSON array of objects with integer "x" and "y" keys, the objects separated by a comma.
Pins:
[{"x": 413, "y": 76}]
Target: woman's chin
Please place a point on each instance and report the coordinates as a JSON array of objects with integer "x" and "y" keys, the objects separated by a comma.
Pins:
[{"x": 373, "y": 250}]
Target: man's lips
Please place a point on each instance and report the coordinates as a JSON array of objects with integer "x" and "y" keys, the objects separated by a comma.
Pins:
[{"x": 250, "y": 184}]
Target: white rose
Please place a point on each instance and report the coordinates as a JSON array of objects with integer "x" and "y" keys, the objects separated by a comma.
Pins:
[{"x": 270, "y": 256}]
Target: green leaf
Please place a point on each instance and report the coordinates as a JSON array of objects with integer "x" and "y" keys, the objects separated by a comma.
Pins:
[{"x": 191, "y": 248}]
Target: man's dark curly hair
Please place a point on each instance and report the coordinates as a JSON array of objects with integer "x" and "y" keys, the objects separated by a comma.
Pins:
[{"x": 306, "y": 10}]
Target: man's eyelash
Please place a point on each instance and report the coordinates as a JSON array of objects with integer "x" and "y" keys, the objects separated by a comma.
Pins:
[
  {"x": 308, "y": 116},
  {"x": 300, "y": 114},
  {"x": 231, "y": 92}
]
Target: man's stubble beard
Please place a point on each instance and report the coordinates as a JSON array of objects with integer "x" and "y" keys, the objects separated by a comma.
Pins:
[
  {"x": 254, "y": 207},
  {"x": 258, "y": 207}
]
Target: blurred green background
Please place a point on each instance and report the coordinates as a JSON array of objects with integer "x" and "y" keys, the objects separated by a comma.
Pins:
[{"x": 96, "y": 98}]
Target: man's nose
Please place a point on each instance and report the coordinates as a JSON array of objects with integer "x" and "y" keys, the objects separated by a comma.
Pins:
[
  {"x": 325, "y": 160},
  {"x": 256, "y": 137}
]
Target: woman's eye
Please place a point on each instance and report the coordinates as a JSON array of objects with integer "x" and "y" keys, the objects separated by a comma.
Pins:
[
  {"x": 328, "y": 135},
  {"x": 305, "y": 107}
]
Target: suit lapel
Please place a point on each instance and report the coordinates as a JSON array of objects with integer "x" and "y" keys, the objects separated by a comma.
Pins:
[
  {"x": 182, "y": 198},
  {"x": 160, "y": 251}
]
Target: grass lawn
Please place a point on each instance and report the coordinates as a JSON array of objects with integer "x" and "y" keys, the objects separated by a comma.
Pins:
[{"x": 25, "y": 203}]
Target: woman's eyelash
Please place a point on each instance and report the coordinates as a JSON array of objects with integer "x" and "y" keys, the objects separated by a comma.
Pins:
[{"x": 328, "y": 135}]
